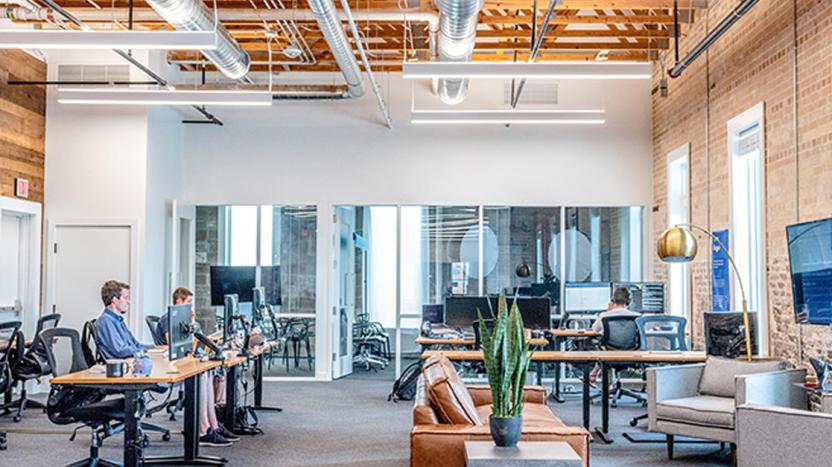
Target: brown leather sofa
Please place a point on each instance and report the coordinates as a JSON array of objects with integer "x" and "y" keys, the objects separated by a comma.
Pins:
[{"x": 447, "y": 413}]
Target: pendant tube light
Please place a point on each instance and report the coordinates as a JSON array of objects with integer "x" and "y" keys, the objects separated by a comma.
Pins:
[
  {"x": 164, "y": 97},
  {"x": 134, "y": 40}
]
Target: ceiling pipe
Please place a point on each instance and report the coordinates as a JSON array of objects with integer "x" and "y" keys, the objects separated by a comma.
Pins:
[
  {"x": 712, "y": 37},
  {"x": 193, "y": 15},
  {"x": 333, "y": 32},
  {"x": 457, "y": 34}
]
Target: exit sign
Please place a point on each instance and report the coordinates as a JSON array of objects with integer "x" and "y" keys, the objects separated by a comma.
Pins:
[{"x": 21, "y": 187}]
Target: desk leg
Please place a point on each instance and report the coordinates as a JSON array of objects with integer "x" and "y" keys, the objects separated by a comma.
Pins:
[
  {"x": 132, "y": 435},
  {"x": 558, "y": 368},
  {"x": 586, "y": 369},
  {"x": 231, "y": 397},
  {"x": 191, "y": 456},
  {"x": 605, "y": 405},
  {"x": 540, "y": 373},
  {"x": 258, "y": 387}
]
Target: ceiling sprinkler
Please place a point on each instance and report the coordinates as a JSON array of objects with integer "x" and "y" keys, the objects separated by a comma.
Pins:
[{"x": 292, "y": 51}]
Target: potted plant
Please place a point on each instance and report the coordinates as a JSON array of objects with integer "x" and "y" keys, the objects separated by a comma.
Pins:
[{"x": 506, "y": 356}]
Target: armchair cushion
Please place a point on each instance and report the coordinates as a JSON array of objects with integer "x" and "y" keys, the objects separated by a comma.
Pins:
[
  {"x": 448, "y": 395},
  {"x": 698, "y": 410},
  {"x": 718, "y": 377}
]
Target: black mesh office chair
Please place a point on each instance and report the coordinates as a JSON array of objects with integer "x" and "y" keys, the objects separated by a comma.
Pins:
[
  {"x": 155, "y": 330},
  {"x": 32, "y": 365},
  {"x": 621, "y": 333},
  {"x": 88, "y": 340},
  {"x": 10, "y": 341},
  {"x": 69, "y": 404}
]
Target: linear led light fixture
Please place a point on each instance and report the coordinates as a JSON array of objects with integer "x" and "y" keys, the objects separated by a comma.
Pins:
[
  {"x": 541, "y": 70},
  {"x": 502, "y": 117},
  {"x": 164, "y": 97},
  {"x": 155, "y": 40}
]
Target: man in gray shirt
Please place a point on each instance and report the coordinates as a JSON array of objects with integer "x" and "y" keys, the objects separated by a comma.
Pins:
[{"x": 616, "y": 307}]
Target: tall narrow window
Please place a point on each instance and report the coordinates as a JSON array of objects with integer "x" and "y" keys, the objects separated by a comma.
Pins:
[
  {"x": 678, "y": 196},
  {"x": 747, "y": 241}
]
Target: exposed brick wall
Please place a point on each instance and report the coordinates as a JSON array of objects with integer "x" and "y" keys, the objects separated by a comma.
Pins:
[
  {"x": 755, "y": 61},
  {"x": 22, "y": 123}
]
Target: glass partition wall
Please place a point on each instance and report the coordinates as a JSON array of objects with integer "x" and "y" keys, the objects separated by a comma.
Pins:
[{"x": 280, "y": 243}]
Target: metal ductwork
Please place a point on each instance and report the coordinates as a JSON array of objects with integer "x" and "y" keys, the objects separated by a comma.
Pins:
[
  {"x": 330, "y": 25},
  {"x": 193, "y": 15},
  {"x": 457, "y": 33}
]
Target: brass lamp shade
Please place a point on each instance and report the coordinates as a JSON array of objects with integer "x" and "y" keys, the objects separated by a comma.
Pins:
[{"x": 676, "y": 245}]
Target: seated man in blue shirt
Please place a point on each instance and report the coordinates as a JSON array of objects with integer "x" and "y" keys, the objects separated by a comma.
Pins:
[{"x": 114, "y": 337}]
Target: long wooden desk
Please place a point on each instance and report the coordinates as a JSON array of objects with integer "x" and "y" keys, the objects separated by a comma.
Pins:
[
  {"x": 589, "y": 358},
  {"x": 430, "y": 341},
  {"x": 188, "y": 370}
]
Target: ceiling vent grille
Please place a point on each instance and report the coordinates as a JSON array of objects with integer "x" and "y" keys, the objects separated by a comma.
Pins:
[
  {"x": 534, "y": 94},
  {"x": 94, "y": 73}
]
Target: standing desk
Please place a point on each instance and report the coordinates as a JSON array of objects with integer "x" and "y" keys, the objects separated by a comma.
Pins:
[
  {"x": 188, "y": 370},
  {"x": 559, "y": 336}
]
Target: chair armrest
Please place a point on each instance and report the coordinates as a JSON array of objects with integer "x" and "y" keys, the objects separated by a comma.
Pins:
[
  {"x": 782, "y": 436},
  {"x": 776, "y": 388},
  {"x": 670, "y": 382},
  {"x": 481, "y": 394}
]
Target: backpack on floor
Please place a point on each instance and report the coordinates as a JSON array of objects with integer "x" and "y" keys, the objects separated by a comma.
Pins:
[{"x": 404, "y": 389}]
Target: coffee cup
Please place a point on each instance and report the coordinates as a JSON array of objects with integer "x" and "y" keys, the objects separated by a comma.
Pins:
[{"x": 116, "y": 368}]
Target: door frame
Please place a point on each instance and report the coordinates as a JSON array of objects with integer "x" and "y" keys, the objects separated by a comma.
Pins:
[
  {"x": 135, "y": 254},
  {"x": 31, "y": 292}
]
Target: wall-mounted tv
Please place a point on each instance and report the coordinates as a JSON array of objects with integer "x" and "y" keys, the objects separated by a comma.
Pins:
[{"x": 810, "y": 260}]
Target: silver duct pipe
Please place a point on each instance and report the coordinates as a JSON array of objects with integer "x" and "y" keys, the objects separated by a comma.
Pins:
[
  {"x": 330, "y": 25},
  {"x": 457, "y": 33},
  {"x": 22, "y": 13},
  {"x": 193, "y": 15}
]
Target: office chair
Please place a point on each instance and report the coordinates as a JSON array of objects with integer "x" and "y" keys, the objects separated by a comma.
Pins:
[
  {"x": 371, "y": 343},
  {"x": 11, "y": 339},
  {"x": 68, "y": 404},
  {"x": 32, "y": 364},
  {"x": 621, "y": 333},
  {"x": 660, "y": 332},
  {"x": 89, "y": 338},
  {"x": 489, "y": 325},
  {"x": 155, "y": 330}
]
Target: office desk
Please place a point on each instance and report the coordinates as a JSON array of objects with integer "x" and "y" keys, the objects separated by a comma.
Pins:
[
  {"x": 430, "y": 341},
  {"x": 232, "y": 363},
  {"x": 560, "y": 336},
  {"x": 588, "y": 358},
  {"x": 188, "y": 370}
]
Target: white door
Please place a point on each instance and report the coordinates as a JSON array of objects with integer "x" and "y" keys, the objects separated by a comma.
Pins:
[
  {"x": 344, "y": 313},
  {"x": 10, "y": 265},
  {"x": 84, "y": 258}
]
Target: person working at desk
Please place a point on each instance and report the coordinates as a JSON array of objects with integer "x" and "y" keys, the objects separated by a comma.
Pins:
[
  {"x": 211, "y": 433},
  {"x": 617, "y": 307}
]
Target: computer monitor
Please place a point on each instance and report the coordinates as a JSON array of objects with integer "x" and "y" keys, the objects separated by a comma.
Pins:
[
  {"x": 181, "y": 336},
  {"x": 586, "y": 297},
  {"x": 227, "y": 280},
  {"x": 434, "y": 314},
  {"x": 645, "y": 297},
  {"x": 231, "y": 310},
  {"x": 461, "y": 312},
  {"x": 536, "y": 311},
  {"x": 725, "y": 333},
  {"x": 246, "y": 310}
]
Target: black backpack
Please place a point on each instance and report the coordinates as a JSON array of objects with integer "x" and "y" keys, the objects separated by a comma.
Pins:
[{"x": 404, "y": 389}]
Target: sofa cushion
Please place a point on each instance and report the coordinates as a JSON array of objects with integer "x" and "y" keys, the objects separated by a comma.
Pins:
[
  {"x": 719, "y": 374},
  {"x": 534, "y": 416},
  {"x": 448, "y": 394},
  {"x": 699, "y": 410}
]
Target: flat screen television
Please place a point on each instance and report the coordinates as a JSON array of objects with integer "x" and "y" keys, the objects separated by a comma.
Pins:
[
  {"x": 810, "y": 262},
  {"x": 228, "y": 280}
]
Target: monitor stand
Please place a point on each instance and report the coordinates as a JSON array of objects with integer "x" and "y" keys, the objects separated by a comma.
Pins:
[{"x": 172, "y": 370}]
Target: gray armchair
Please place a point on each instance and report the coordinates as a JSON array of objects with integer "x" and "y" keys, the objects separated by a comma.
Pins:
[
  {"x": 778, "y": 436},
  {"x": 700, "y": 401}
]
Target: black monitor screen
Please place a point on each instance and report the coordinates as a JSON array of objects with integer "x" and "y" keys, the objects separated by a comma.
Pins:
[
  {"x": 270, "y": 281},
  {"x": 535, "y": 311},
  {"x": 645, "y": 297},
  {"x": 226, "y": 280},
  {"x": 231, "y": 310},
  {"x": 461, "y": 312},
  {"x": 181, "y": 338},
  {"x": 433, "y": 313},
  {"x": 810, "y": 260}
]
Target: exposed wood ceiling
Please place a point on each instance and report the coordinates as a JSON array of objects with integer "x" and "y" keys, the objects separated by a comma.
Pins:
[{"x": 580, "y": 30}]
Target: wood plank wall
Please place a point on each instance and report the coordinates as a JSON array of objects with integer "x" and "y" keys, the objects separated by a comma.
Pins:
[{"x": 22, "y": 123}]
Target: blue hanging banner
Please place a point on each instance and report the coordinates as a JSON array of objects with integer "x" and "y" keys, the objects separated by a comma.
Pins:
[{"x": 720, "y": 274}]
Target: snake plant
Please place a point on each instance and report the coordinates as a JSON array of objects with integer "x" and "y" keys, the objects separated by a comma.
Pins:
[{"x": 506, "y": 355}]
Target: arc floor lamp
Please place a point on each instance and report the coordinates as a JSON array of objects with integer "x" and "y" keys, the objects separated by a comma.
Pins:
[{"x": 678, "y": 245}]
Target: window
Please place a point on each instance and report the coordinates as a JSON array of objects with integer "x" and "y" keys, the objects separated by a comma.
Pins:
[
  {"x": 603, "y": 244},
  {"x": 747, "y": 241},
  {"x": 678, "y": 199}
]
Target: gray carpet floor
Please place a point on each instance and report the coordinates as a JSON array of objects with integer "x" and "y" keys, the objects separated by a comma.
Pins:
[{"x": 344, "y": 423}]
